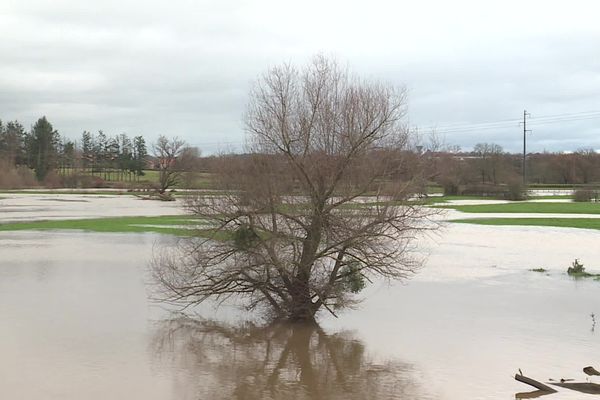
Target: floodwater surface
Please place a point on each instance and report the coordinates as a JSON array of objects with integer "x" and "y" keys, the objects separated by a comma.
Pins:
[
  {"x": 18, "y": 207},
  {"x": 76, "y": 323}
]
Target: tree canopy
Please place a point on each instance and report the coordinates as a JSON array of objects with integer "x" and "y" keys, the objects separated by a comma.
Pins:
[
  {"x": 292, "y": 234},
  {"x": 43, "y": 147}
]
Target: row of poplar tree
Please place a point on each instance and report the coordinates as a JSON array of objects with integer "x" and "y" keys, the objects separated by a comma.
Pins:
[{"x": 43, "y": 150}]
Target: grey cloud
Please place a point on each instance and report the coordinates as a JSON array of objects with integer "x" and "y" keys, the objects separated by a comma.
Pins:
[{"x": 185, "y": 67}]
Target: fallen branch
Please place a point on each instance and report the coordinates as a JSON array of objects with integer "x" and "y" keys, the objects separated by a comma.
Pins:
[
  {"x": 532, "y": 395},
  {"x": 534, "y": 383},
  {"x": 582, "y": 387}
]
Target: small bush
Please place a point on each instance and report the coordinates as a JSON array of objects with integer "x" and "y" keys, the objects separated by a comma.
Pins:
[
  {"x": 586, "y": 195},
  {"x": 244, "y": 237},
  {"x": 16, "y": 177},
  {"x": 82, "y": 181},
  {"x": 451, "y": 188},
  {"x": 52, "y": 180},
  {"x": 515, "y": 191},
  {"x": 576, "y": 268},
  {"x": 484, "y": 190}
]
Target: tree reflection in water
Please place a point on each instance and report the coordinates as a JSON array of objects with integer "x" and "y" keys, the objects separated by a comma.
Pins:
[{"x": 277, "y": 362}]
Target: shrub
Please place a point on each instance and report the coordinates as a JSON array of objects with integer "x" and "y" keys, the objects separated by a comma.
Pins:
[
  {"x": 16, "y": 177},
  {"x": 515, "y": 191},
  {"x": 451, "y": 188},
  {"x": 52, "y": 180},
  {"x": 576, "y": 268},
  {"x": 586, "y": 195},
  {"x": 484, "y": 190},
  {"x": 82, "y": 181}
]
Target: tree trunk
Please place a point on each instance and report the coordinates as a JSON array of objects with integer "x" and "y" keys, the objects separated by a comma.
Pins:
[{"x": 302, "y": 307}]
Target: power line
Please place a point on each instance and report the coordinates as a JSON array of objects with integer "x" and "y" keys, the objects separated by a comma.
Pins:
[
  {"x": 508, "y": 123},
  {"x": 461, "y": 127},
  {"x": 551, "y": 121},
  {"x": 566, "y": 114}
]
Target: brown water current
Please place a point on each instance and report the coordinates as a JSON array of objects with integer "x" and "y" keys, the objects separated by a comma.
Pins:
[{"x": 76, "y": 323}]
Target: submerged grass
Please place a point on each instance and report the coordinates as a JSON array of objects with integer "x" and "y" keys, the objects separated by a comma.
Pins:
[
  {"x": 529, "y": 207},
  {"x": 580, "y": 275},
  {"x": 433, "y": 200},
  {"x": 424, "y": 201},
  {"x": 170, "y": 224},
  {"x": 552, "y": 197},
  {"x": 582, "y": 223}
]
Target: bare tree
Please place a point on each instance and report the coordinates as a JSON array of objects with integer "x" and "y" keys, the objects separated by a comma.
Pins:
[
  {"x": 295, "y": 233},
  {"x": 489, "y": 157},
  {"x": 189, "y": 162},
  {"x": 168, "y": 153}
]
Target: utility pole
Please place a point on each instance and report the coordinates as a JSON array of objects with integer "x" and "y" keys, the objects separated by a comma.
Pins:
[{"x": 525, "y": 130}]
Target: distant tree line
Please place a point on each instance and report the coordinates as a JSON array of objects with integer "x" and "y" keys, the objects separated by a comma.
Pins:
[
  {"x": 486, "y": 167},
  {"x": 489, "y": 165},
  {"x": 43, "y": 150},
  {"x": 37, "y": 149},
  {"x": 118, "y": 155}
]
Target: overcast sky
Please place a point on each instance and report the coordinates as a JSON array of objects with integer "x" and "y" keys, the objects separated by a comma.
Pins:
[{"x": 185, "y": 67}]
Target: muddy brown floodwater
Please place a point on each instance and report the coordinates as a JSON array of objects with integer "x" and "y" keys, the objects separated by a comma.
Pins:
[{"x": 76, "y": 323}]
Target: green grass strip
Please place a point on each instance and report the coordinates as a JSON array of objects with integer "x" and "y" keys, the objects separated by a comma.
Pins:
[
  {"x": 529, "y": 207},
  {"x": 444, "y": 199},
  {"x": 582, "y": 223},
  {"x": 117, "y": 224},
  {"x": 552, "y": 197},
  {"x": 425, "y": 201}
]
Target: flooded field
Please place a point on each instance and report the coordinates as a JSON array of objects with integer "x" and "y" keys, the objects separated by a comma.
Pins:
[
  {"x": 17, "y": 207},
  {"x": 76, "y": 322}
]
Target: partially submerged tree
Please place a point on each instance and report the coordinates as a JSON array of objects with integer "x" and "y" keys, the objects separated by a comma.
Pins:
[
  {"x": 168, "y": 153},
  {"x": 293, "y": 234}
]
